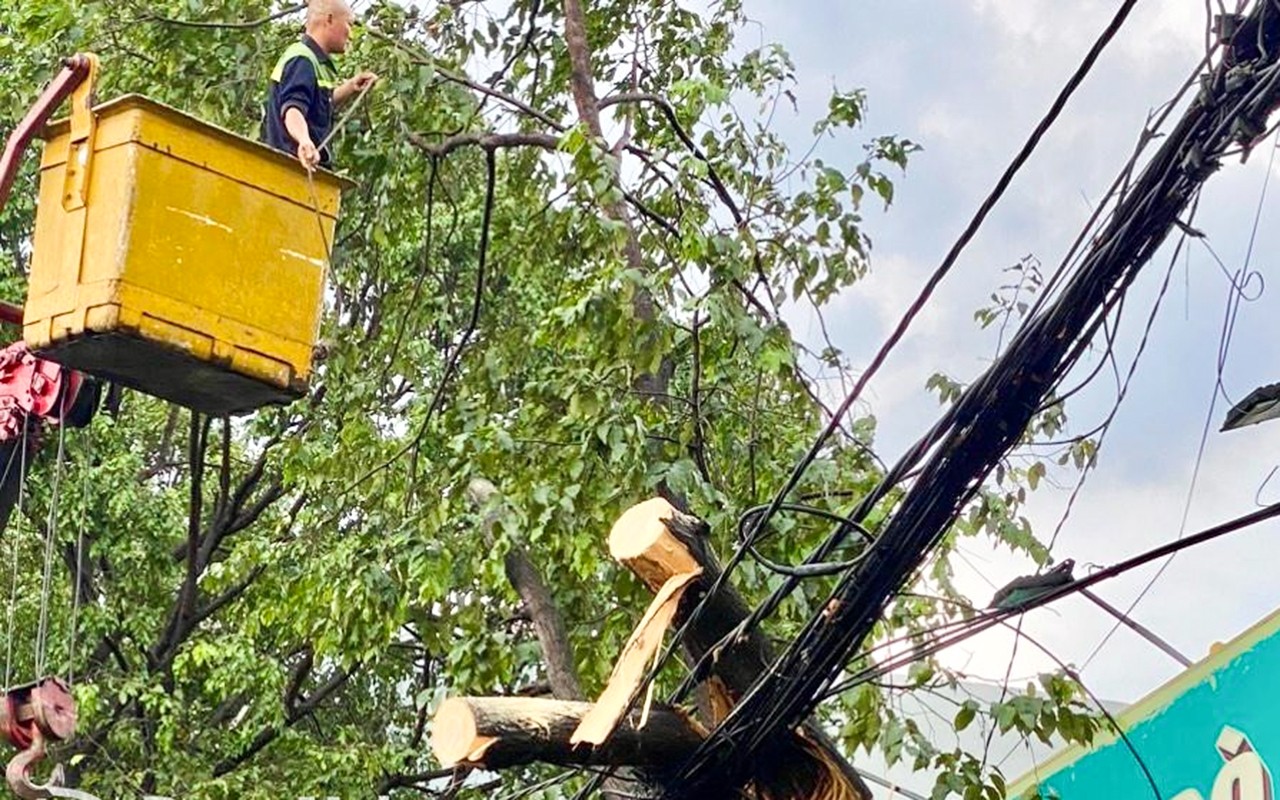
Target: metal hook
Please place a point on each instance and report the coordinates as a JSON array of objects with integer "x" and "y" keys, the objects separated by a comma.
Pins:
[
  {"x": 30, "y": 717},
  {"x": 18, "y": 773},
  {"x": 18, "y": 776}
]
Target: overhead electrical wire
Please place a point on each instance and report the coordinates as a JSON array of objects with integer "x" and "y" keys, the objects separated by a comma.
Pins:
[
  {"x": 1119, "y": 184},
  {"x": 948, "y": 262},
  {"x": 810, "y": 570},
  {"x": 753, "y": 530},
  {"x": 991, "y": 413},
  {"x": 921, "y": 300},
  {"x": 1116, "y": 727},
  {"x": 1235, "y": 296},
  {"x": 1019, "y": 634},
  {"x": 912, "y": 457},
  {"x": 452, "y": 363},
  {"x": 956, "y": 631},
  {"x": 873, "y": 367},
  {"x": 969, "y": 232},
  {"x": 1105, "y": 427},
  {"x": 1122, "y": 385}
]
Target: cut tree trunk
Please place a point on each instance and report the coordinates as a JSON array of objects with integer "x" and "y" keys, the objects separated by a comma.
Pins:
[
  {"x": 656, "y": 541},
  {"x": 501, "y": 732}
]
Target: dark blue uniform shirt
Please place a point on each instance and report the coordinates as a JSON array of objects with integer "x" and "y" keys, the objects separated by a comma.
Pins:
[{"x": 305, "y": 84}]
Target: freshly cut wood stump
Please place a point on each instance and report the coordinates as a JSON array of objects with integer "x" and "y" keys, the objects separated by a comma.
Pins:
[
  {"x": 499, "y": 732},
  {"x": 641, "y": 541},
  {"x": 657, "y": 541}
]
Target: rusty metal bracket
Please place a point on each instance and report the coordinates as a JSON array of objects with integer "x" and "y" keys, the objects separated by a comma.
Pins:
[
  {"x": 77, "y": 71},
  {"x": 84, "y": 130}
]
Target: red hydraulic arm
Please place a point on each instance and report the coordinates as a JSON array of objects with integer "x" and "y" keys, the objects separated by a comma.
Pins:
[
  {"x": 75, "y": 71},
  {"x": 32, "y": 391}
]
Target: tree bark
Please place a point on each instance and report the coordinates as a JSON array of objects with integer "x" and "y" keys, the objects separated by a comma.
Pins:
[
  {"x": 548, "y": 622},
  {"x": 582, "y": 85},
  {"x": 501, "y": 732},
  {"x": 655, "y": 541}
]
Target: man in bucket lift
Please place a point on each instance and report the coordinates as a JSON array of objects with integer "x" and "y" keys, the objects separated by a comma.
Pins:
[{"x": 305, "y": 88}]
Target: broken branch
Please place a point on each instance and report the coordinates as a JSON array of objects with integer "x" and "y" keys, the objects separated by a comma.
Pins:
[{"x": 500, "y": 732}]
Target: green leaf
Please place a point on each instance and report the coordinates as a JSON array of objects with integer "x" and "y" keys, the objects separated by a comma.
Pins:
[{"x": 966, "y": 715}]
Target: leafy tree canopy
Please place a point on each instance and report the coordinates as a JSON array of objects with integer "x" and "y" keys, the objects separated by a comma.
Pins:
[{"x": 568, "y": 282}]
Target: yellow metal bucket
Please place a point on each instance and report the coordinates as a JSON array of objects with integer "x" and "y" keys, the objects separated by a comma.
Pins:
[{"x": 178, "y": 258}]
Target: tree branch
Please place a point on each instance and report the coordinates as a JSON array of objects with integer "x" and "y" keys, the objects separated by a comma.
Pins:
[
  {"x": 269, "y": 734},
  {"x": 297, "y": 676},
  {"x": 581, "y": 81},
  {"x": 185, "y": 601},
  {"x": 237, "y": 26},
  {"x": 669, "y": 112},
  {"x": 582, "y": 86},
  {"x": 548, "y": 624},
  {"x": 487, "y": 141},
  {"x": 230, "y": 595},
  {"x": 423, "y": 59}
]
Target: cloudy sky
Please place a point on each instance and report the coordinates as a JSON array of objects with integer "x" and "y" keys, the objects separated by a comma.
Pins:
[{"x": 969, "y": 79}]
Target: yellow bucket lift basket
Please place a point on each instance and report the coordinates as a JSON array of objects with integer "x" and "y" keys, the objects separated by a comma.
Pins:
[{"x": 178, "y": 258}]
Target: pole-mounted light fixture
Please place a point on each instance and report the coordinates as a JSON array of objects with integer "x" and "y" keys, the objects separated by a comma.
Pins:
[{"x": 1261, "y": 405}]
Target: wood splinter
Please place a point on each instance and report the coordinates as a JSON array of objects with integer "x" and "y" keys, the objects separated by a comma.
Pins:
[{"x": 629, "y": 672}]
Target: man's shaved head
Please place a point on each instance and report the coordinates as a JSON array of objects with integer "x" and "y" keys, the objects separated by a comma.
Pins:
[
  {"x": 317, "y": 10},
  {"x": 329, "y": 23}
]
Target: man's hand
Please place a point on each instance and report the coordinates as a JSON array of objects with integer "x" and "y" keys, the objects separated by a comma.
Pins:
[
  {"x": 296, "y": 125},
  {"x": 308, "y": 154},
  {"x": 354, "y": 86}
]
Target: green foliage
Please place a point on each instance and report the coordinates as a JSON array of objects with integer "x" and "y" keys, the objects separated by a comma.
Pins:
[{"x": 349, "y": 582}]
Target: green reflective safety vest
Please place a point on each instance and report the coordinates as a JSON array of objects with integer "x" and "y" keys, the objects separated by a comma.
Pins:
[
  {"x": 314, "y": 99},
  {"x": 326, "y": 73}
]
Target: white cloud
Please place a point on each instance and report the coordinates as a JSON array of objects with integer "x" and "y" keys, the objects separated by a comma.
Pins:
[{"x": 1055, "y": 31}]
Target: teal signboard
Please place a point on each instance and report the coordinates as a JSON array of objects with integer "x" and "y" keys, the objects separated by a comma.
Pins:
[{"x": 1208, "y": 734}]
